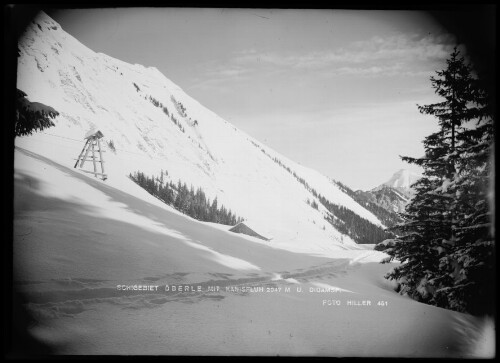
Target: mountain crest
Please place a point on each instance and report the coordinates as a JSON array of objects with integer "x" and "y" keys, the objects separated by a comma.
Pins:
[{"x": 403, "y": 178}]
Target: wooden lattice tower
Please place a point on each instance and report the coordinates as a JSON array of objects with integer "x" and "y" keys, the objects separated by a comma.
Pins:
[{"x": 93, "y": 145}]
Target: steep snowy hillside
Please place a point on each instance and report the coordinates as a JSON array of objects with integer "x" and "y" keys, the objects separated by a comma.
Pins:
[{"x": 155, "y": 126}]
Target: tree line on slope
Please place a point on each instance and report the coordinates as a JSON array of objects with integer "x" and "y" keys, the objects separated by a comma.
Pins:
[
  {"x": 158, "y": 104},
  {"x": 179, "y": 106},
  {"x": 387, "y": 217},
  {"x": 446, "y": 239},
  {"x": 193, "y": 203},
  {"x": 343, "y": 219},
  {"x": 349, "y": 223}
]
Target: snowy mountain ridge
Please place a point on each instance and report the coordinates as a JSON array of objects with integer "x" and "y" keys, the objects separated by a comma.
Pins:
[
  {"x": 154, "y": 125},
  {"x": 393, "y": 195},
  {"x": 403, "y": 178}
]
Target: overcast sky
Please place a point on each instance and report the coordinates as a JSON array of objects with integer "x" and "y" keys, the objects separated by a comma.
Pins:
[{"x": 333, "y": 90}]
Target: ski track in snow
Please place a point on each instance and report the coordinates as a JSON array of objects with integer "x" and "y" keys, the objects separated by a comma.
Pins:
[{"x": 85, "y": 294}]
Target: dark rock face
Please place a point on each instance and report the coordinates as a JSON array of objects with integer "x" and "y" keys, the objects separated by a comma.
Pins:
[{"x": 391, "y": 199}]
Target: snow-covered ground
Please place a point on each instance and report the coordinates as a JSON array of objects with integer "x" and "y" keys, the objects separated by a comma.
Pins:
[{"x": 77, "y": 238}]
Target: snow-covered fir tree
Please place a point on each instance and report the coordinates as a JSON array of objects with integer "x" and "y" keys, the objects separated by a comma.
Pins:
[
  {"x": 32, "y": 116},
  {"x": 186, "y": 200},
  {"x": 445, "y": 245}
]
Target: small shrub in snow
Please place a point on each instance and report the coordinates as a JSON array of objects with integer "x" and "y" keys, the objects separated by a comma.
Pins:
[{"x": 111, "y": 146}]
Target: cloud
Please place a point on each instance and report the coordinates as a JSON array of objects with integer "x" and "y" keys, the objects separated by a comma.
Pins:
[
  {"x": 376, "y": 71},
  {"x": 214, "y": 76},
  {"x": 227, "y": 71},
  {"x": 376, "y": 56},
  {"x": 398, "y": 55}
]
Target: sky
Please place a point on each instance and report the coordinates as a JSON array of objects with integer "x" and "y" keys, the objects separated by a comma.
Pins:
[{"x": 334, "y": 90}]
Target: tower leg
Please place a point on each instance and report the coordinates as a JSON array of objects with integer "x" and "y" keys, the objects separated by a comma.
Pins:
[
  {"x": 93, "y": 159},
  {"x": 81, "y": 154},
  {"x": 86, "y": 152},
  {"x": 102, "y": 160}
]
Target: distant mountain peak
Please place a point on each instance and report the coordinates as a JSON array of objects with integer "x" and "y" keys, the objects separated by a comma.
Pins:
[
  {"x": 403, "y": 178},
  {"x": 394, "y": 194}
]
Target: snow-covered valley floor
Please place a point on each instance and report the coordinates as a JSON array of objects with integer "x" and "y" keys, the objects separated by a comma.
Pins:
[{"x": 76, "y": 238}]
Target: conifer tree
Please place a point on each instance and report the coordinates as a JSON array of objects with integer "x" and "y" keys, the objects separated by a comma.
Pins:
[
  {"x": 214, "y": 211},
  {"x": 32, "y": 116},
  {"x": 471, "y": 258},
  {"x": 186, "y": 200},
  {"x": 445, "y": 247}
]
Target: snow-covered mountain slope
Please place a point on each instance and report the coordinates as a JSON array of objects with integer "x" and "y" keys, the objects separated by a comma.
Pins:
[
  {"x": 392, "y": 196},
  {"x": 389, "y": 199},
  {"x": 403, "y": 178},
  {"x": 396, "y": 193},
  {"x": 155, "y": 126}
]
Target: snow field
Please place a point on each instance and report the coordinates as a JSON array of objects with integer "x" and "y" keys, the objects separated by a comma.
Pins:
[{"x": 77, "y": 238}]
